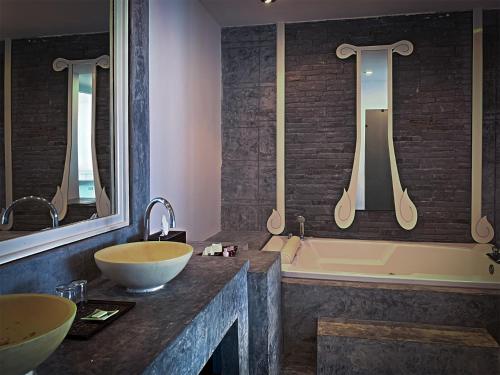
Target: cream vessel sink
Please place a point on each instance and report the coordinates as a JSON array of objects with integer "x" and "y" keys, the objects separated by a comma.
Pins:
[
  {"x": 32, "y": 326},
  {"x": 143, "y": 266}
]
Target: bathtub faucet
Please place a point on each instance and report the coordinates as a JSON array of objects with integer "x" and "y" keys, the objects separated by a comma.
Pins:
[
  {"x": 495, "y": 254},
  {"x": 301, "y": 220}
]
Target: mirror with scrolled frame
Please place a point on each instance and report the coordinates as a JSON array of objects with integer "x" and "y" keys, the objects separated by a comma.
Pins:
[
  {"x": 375, "y": 183},
  {"x": 63, "y": 122}
]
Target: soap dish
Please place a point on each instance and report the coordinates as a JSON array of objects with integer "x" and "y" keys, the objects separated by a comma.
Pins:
[{"x": 85, "y": 329}]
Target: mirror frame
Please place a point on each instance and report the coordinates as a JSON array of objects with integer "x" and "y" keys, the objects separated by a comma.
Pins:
[
  {"x": 406, "y": 212},
  {"x": 24, "y": 246}
]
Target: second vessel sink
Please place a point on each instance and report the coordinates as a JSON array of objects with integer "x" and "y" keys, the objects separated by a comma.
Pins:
[
  {"x": 143, "y": 266},
  {"x": 31, "y": 327}
]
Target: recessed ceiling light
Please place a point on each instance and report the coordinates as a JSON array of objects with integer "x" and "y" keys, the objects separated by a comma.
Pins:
[{"x": 267, "y": 2}]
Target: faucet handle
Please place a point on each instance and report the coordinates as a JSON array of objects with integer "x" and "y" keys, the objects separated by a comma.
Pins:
[
  {"x": 3, "y": 220},
  {"x": 301, "y": 219}
]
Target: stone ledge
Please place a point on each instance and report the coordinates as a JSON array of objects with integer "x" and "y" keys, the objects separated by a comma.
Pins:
[
  {"x": 367, "y": 347},
  {"x": 412, "y": 332}
]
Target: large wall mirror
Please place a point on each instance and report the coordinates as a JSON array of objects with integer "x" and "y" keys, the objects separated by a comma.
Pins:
[
  {"x": 63, "y": 122},
  {"x": 375, "y": 183}
]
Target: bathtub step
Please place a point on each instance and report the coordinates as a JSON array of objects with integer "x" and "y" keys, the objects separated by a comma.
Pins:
[{"x": 380, "y": 347}]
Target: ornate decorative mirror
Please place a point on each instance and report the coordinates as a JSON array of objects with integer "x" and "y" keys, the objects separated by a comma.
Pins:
[
  {"x": 81, "y": 182},
  {"x": 375, "y": 183}
]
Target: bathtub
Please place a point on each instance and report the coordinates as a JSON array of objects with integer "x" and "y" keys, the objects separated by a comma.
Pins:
[{"x": 438, "y": 264}]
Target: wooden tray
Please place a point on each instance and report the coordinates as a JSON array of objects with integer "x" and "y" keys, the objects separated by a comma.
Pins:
[{"x": 85, "y": 329}]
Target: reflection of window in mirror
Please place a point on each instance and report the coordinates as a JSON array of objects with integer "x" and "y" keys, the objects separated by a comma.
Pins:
[
  {"x": 374, "y": 183},
  {"x": 85, "y": 172},
  {"x": 81, "y": 184}
]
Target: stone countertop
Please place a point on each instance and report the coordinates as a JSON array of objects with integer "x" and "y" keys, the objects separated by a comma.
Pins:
[
  {"x": 260, "y": 261},
  {"x": 134, "y": 341},
  {"x": 250, "y": 240}
]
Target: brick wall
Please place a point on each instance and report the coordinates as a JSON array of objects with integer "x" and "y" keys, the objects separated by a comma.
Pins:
[
  {"x": 39, "y": 121},
  {"x": 432, "y": 127}
]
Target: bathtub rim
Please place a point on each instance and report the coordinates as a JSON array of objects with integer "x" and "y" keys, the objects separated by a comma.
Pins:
[{"x": 396, "y": 279}]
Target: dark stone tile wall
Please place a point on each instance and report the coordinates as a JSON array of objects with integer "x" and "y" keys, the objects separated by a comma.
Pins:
[
  {"x": 491, "y": 103},
  {"x": 432, "y": 125},
  {"x": 39, "y": 122},
  {"x": 248, "y": 126},
  {"x": 2, "y": 165},
  {"x": 42, "y": 272},
  {"x": 491, "y": 124}
]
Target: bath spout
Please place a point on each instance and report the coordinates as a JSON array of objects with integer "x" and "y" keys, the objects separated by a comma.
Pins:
[
  {"x": 301, "y": 220},
  {"x": 494, "y": 255}
]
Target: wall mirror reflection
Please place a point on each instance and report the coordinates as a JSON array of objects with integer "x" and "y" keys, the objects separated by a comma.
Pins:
[
  {"x": 56, "y": 123},
  {"x": 374, "y": 179}
]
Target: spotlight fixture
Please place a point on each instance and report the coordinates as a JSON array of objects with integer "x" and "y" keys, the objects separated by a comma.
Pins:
[{"x": 267, "y": 2}]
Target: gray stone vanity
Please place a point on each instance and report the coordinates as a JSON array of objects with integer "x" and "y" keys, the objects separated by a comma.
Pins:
[
  {"x": 225, "y": 307},
  {"x": 172, "y": 331},
  {"x": 264, "y": 298}
]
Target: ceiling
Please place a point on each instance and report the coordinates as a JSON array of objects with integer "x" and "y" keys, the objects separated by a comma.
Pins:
[
  {"x": 254, "y": 12},
  {"x": 33, "y": 18}
]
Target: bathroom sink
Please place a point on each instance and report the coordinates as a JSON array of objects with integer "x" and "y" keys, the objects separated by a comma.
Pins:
[
  {"x": 143, "y": 266},
  {"x": 32, "y": 326}
]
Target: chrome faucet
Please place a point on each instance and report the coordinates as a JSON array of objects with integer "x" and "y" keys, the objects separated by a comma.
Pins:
[
  {"x": 495, "y": 254},
  {"x": 53, "y": 210},
  {"x": 301, "y": 220},
  {"x": 147, "y": 214}
]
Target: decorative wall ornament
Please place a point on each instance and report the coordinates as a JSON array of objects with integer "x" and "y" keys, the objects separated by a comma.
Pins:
[
  {"x": 481, "y": 229},
  {"x": 60, "y": 200},
  {"x": 406, "y": 212},
  {"x": 276, "y": 222}
]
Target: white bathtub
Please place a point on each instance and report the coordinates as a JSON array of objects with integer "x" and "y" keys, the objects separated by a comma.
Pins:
[{"x": 439, "y": 264}]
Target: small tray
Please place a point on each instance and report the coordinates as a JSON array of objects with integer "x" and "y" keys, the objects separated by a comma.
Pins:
[{"x": 85, "y": 329}]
